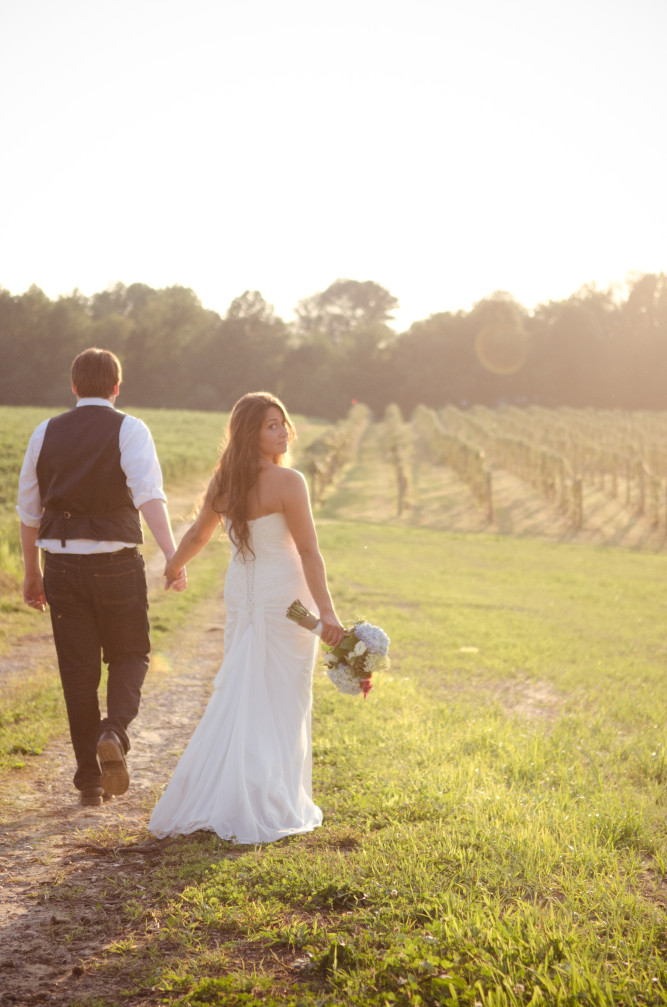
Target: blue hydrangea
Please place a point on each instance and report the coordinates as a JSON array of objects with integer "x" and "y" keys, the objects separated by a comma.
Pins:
[{"x": 375, "y": 638}]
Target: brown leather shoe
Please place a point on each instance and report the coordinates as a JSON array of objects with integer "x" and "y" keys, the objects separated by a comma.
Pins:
[
  {"x": 115, "y": 777},
  {"x": 91, "y": 797}
]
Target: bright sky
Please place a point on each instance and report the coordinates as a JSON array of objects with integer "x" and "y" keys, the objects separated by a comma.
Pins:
[{"x": 443, "y": 148}]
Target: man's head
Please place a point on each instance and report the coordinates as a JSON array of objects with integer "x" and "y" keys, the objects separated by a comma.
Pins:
[{"x": 96, "y": 374}]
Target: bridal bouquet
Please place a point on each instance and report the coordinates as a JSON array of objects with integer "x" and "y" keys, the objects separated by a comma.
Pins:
[{"x": 363, "y": 650}]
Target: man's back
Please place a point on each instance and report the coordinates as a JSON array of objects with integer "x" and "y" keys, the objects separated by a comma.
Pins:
[{"x": 82, "y": 484}]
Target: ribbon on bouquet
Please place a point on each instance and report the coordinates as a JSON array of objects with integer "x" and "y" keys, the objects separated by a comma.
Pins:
[{"x": 299, "y": 614}]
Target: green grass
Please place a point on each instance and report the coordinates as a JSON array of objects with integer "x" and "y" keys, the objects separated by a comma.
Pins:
[
  {"x": 16, "y": 425},
  {"x": 494, "y": 812},
  {"x": 32, "y": 713}
]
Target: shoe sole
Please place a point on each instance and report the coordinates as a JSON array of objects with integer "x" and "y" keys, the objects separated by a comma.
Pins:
[{"x": 115, "y": 777}]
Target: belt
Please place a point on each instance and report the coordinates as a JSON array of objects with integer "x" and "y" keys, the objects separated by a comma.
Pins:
[{"x": 98, "y": 558}]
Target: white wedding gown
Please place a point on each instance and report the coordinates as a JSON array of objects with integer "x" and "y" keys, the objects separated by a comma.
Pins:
[{"x": 246, "y": 773}]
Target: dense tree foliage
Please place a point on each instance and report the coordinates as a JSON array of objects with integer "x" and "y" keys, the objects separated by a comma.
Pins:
[{"x": 591, "y": 349}]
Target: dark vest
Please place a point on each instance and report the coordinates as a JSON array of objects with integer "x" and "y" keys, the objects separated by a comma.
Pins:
[{"x": 83, "y": 488}]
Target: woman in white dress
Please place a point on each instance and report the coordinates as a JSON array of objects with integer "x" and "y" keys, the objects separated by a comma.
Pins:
[{"x": 246, "y": 773}]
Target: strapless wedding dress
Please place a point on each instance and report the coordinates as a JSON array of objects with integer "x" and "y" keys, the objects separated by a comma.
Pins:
[{"x": 246, "y": 773}]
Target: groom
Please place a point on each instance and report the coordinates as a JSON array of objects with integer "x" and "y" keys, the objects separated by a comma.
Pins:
[{"x": 86, "y": 475}]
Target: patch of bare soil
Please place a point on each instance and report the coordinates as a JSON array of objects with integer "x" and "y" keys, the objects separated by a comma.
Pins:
[
  {"x": 529, "y": 698},
  {"x": 653, "y": 885},
  {"x": 55, "y": 918},
  {"x": 29, "y": 652}
]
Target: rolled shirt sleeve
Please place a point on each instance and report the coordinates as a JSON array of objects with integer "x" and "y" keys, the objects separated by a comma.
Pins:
[
  {"x": 29, "y": 506},
  {"x": 139, "y": 462}
]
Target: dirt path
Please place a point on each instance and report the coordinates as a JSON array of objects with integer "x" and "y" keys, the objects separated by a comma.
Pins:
[{"x": 47, "y": 839}]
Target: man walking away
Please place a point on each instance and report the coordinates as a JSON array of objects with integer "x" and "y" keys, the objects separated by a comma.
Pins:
[{"x": 86, "y": 475}]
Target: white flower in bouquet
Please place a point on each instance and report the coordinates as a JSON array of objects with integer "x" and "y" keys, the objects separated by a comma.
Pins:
[
  {"x": 344, "y": 679},
  {"x": 374, "y": 662},
  {"x": 362, "y": 651}
]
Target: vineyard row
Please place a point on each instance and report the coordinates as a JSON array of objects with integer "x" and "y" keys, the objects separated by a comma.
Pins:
[{"x": 558, "y": 452}]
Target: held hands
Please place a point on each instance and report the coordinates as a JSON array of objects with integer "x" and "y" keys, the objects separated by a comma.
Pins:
[{"x": 175, "y": 577}]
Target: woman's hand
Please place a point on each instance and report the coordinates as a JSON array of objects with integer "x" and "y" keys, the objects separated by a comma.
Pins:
[
  {"x": 175, "y": 577},
  {"x": 190, "y": 545},
  {"x": 332, "y": 631}
]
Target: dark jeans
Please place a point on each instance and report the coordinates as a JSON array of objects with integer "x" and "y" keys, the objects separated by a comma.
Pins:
[{"x": 99, "y": 607}]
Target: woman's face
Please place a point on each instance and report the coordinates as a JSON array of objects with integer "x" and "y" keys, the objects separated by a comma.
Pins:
[{"x": 273, "y": 435}]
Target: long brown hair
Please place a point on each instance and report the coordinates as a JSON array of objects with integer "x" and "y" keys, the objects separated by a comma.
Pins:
[{"x": 236, "y": 473}]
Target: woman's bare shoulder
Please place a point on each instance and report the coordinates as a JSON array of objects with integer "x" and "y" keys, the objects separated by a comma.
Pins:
[
  {"x": 281, "y": 475},
  {"x": 288, "y": 482},
  {"x": 280, "y": 487},
  {"x": 291, "y": 476}
]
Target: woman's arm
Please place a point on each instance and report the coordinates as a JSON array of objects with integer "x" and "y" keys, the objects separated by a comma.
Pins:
[
  {"x": 299, "y": 517},
  {"x": 193, "y": 541}
]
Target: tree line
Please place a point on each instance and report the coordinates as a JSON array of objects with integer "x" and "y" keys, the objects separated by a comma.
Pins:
[{"x": 595, "y": 348}]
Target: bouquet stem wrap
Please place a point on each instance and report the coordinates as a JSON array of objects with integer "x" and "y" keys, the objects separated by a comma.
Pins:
[{"x": 299, "y": 613}]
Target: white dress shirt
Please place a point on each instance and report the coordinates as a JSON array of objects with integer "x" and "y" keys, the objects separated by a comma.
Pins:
[{"x": 138, "y": 461}]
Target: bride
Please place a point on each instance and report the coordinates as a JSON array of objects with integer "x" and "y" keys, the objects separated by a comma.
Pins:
[{"x": 246, "y": 773}]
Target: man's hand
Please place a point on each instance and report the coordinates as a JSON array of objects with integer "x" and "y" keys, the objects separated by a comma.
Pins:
[
  {"x": 33, "y": 583},
  {"x": 175, "y": 579},
  {"x": 33, "y": 591}
]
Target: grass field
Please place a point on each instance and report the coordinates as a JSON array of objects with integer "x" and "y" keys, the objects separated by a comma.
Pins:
[{"x": 494, "y": 813}]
